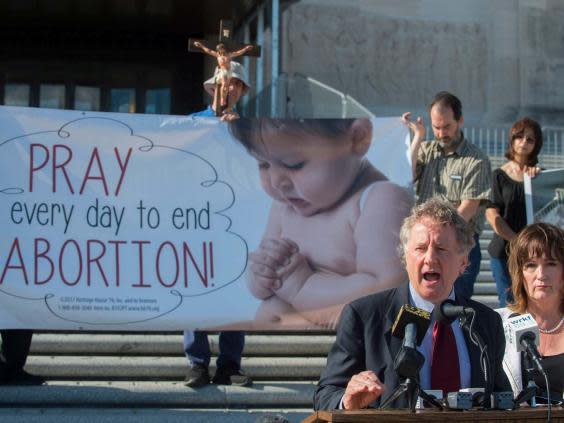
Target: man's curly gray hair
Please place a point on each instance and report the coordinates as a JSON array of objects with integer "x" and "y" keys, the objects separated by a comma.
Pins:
[{"x": 442, "y": 213}]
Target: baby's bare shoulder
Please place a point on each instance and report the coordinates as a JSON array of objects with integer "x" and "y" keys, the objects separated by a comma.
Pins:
[
  {"x": 386, "y": 200},
  {"x": 383, "y": 192}
]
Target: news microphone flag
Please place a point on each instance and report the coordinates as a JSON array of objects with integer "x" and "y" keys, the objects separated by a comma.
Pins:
[
  {"x": 519, "y": 326},
  {"x": 410, "y": 314}
]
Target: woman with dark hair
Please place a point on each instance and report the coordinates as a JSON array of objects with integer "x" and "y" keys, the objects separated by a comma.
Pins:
[
  {"x": 506, "y": 212},
  {"x": 536, "y": 266}
]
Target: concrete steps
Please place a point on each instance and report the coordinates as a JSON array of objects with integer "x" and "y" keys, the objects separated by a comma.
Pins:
[
  {"x": 484, "y": 288},
  {"x": 158, "y": 394},
  {"x": 142, "y": 415},
  {"x": 131, "y": 357},
  {"x": 92, "y": 367},
  {"x": 170, "y": 343},
  {"x": 144, "y": 372}
]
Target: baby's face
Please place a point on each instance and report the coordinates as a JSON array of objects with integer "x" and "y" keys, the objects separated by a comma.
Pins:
[{"x": 308, "y": 173}]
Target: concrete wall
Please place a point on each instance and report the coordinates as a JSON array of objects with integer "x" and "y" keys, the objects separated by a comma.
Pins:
[{"x": 503, "y": 58}]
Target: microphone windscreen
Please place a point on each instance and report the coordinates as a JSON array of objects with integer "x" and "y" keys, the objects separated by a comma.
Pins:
[
  {"x": 410, "y": 314},
  {"x": 441, "y": 315},
  {"x": 522, "y": 325}
]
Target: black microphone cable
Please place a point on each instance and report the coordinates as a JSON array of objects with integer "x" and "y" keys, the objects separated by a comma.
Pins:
[
  {"x": 467, "y": 316},
  {"x": 483, "y": 347}
]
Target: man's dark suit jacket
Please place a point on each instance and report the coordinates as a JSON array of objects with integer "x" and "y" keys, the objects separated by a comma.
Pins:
[{"x": 365, "y": 342}]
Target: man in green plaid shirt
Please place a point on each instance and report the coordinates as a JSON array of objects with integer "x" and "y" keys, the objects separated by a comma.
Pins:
[{"x": 453, "y": 169}]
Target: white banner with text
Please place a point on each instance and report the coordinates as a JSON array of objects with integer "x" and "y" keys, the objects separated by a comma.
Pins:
[{"x": 147, "y": 222}]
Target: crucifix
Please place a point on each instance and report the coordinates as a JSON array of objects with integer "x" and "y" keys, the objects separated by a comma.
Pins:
[{"x": 223, "y": 49}]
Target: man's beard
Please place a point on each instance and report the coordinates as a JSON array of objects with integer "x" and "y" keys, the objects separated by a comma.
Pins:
[{"x": 450, "y": 143}]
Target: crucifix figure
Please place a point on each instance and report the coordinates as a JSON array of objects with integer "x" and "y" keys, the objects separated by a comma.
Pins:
[
  {"x": 223, "y": 70},
  {"x": 223, "y": 51}
]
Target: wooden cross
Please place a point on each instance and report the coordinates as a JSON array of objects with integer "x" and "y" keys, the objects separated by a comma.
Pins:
[
  {"x": 225, "y": 33},
  {"x": 209, "y": 47}
]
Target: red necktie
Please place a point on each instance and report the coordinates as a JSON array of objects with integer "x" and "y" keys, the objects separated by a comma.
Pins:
[{"x": 445, "y": 370}]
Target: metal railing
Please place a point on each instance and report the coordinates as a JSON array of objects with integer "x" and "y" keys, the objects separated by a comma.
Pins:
[
  {"x": 302, "y": 97},
  {"x": 493, "y": 141}
]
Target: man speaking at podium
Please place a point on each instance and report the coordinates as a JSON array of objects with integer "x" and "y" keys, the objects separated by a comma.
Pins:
[{"x": 360, "y": 367}]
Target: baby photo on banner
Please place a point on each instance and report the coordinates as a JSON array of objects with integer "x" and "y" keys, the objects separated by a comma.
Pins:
[{"x": 150, "y": 222}]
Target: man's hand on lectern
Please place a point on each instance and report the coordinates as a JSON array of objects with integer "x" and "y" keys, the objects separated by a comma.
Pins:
[{"x": 362, "y": 389}]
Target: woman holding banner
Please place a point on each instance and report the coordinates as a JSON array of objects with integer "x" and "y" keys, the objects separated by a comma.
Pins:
[{"x": 506, "y": 213}]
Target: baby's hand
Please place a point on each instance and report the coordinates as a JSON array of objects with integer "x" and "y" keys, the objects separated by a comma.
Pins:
[
  {"x": 267, "y": 264},
  {"x": 293, "y": 277}
]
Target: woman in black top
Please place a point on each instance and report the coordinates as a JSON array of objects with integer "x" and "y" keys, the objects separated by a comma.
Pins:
[{"x": 506, "y": 213}]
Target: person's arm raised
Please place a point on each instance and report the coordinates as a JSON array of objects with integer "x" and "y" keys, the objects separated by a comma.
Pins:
[{"x": 418, "y": 130}]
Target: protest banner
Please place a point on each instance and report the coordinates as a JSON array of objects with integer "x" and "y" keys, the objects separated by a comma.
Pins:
[
  {"x": 145, "y": 222},
  {"x": 544, "y": 197}
]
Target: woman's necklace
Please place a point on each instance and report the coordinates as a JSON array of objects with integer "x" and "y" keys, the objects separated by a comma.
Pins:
[{"x": 554, "y": 329}]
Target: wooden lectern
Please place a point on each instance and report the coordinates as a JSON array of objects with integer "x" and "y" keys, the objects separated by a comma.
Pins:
[{"x": 521, "y": 415}]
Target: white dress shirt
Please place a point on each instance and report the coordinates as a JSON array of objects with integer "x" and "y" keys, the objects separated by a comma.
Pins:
[{"x": 426, "y": 347}]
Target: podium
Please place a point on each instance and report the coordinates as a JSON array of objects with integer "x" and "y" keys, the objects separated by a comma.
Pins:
[{"x": 521, "y": 415}]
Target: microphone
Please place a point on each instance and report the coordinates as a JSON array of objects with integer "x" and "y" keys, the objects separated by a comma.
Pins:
[
  {"x": 448, "y": 311},
  {"x": 411, "y": 324},
  {"x": 522, "y": 334}
]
